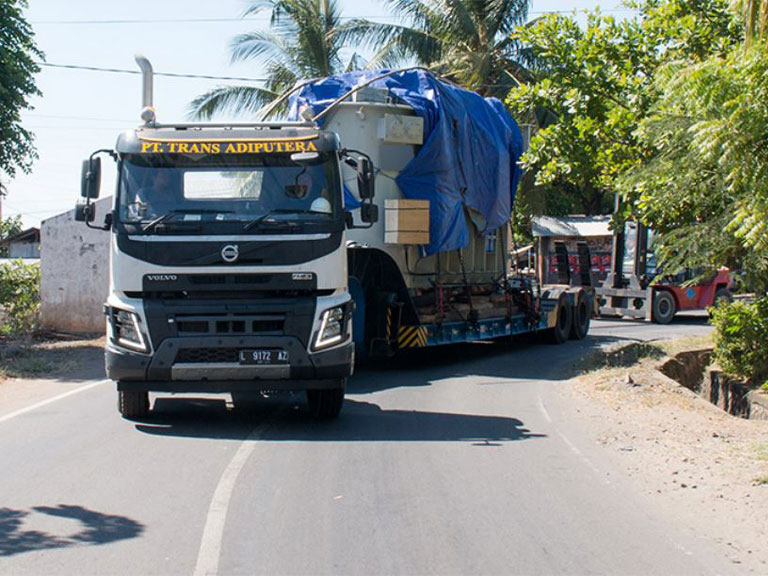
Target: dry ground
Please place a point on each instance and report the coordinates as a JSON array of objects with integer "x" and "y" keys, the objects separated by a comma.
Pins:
[
  {"x": 708, "y": 468},
  {"x": 48, "y": 356}
]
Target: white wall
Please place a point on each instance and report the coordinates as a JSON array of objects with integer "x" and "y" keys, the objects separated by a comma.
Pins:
[{"x": 74, "y": 261}]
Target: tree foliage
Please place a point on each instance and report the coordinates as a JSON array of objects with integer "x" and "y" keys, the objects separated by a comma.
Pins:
[
  {"x": 706, "y": 188},
  {"x": 741, "y": 339},
  {"x": 17, "y": 85},
  {"x": 304, "y": 42},
  {"x": 468, "y": 41},
  {"x": 595, "y": 84},
  {"x": 19, "y": 297},
  {"x": 755, "y": 15}
]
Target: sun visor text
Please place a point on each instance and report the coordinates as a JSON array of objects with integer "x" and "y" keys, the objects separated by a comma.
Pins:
[{"x": 266, "y": 147}]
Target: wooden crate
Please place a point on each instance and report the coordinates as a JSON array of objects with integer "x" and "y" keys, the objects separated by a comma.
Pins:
[{"x": 406, "y": 221}]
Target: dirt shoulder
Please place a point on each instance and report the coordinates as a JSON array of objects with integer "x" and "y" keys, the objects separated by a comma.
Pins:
[
  {"x": 46, "y": 367},
  {"x": 51, "y": 356},
  {"x": 708, "y": 468}
]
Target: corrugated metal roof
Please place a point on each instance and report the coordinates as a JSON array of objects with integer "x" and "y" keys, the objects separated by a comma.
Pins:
[{"x": 571, "y": 226}]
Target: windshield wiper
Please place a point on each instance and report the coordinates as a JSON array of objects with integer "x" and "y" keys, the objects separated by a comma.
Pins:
[
  {"x": 173, "y": 213},
  {"x": 264, "y": 217}
]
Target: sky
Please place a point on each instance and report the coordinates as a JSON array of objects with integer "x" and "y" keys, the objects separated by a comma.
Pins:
[{"x": 81, "y": 111}]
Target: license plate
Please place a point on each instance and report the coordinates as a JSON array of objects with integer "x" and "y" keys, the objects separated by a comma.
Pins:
[{"x": 264, "y": 356}]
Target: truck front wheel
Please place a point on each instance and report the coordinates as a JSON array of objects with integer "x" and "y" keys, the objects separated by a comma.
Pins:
[
  {"x": 326, "y": 404},
  {"x": 133, "y": 404},
  {"x": 663, "y": 307}
]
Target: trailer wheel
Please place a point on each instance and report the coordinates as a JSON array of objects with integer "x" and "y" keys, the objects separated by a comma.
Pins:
[
  {"x": 133, "y": 404},
  {"x": 562, "y": 329},
  {"x": 581, "y": 317},
  {"x": 326, "y": 404},
  {"x": 663, "y": 307}
]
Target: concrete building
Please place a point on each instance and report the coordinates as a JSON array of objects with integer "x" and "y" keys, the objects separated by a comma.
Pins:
[
  {"x": 25, "y": 244},
  {"x": 74, "y": 263}
]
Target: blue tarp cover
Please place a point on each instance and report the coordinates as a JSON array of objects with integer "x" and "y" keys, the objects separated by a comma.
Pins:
[{"x": 469, "y": 156}]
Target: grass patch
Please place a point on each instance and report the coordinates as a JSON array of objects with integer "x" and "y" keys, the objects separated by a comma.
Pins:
[
  {"x": 672, "y": 347},
  {"x": 32, "y": 366},
  {"x": 622, "y": 357},
  {"x": 631, "y": 354},
  {"x": 34, "y": 361},
  {"x": 761, "y": 480}
]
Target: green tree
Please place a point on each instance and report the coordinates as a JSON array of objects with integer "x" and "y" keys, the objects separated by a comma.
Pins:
[
  {"x": 19, "y": 297},
  {"x": 755, "y": 15},
  {"x": 706, "y": 187},
  {"x": 593, "y": 86},
  {"x": 468, "y": 41},
  {"x": 305, "y": 42},
  {"x": 17, "y": 85}
]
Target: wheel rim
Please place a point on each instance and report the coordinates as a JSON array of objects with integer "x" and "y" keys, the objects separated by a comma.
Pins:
[{"x": 664, "y": 307}]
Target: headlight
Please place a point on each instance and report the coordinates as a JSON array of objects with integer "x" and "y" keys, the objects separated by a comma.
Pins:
[
  {"x": 332, "y": 328},
  {"x": 126, "y": 330}
]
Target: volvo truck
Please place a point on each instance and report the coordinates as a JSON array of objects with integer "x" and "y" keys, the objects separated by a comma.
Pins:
[{"x": 252, "y": 257}]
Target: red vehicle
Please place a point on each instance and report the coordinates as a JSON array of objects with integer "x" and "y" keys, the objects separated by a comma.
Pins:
[{"x": 631, "y": 289}]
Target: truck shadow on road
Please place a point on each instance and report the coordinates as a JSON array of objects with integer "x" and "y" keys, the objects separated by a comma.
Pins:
[
  {"x": 17, "y": 533},
  {"x": 289, "y": 421},
  {"x": 521, "y": 359}
]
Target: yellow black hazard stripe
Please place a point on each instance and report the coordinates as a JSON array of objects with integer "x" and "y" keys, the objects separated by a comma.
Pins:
[{"x": 412, "y": 337}]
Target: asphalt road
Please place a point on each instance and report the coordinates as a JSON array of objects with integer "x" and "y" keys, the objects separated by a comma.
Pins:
[{"x": 452, "y": 461}]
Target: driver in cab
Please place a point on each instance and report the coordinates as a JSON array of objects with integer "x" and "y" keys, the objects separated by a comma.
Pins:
[{"x": 157, "y": 197}]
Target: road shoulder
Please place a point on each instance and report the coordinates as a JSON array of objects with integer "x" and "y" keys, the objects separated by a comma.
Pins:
[
  {"x": 46, "y": 369},
  {"x": 706, "y": 467}
]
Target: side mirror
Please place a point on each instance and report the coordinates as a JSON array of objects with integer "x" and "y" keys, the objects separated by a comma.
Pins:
[
  {"x": 84, "y": 213},
  {"x": 365, "y": 178},
  {"x": 90, "y": 178},
  {"x": 369, "y": 213}
]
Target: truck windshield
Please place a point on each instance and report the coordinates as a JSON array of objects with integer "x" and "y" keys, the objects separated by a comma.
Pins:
[{"x": 228, "y": 192}]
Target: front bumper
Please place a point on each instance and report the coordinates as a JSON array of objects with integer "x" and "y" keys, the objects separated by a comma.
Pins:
[{"x": 162, "y": 372}]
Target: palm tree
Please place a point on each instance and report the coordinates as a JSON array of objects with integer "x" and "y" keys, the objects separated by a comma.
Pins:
[
  {"x": 755, "y": 13},
  {"x": 304, "y": 42},
  {"x": 468, "y": 41}
]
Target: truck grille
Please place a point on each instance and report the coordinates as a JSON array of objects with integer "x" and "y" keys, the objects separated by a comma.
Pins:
[
  {"x": 225, "y": 324},
  {"x": 207, "y": 355}
]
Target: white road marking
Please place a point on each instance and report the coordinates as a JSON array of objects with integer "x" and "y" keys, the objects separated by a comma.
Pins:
[
  {"x": 583, "y": 458},
  {"x": 51, "y": 400},
  {"x": 544, "y": 410},
  {"x": 213, "y": 532}
]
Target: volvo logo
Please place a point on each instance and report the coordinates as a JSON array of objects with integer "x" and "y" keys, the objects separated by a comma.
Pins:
[
  {"x": 162, "y": 277},
  {"x": 230, "y": 253}
]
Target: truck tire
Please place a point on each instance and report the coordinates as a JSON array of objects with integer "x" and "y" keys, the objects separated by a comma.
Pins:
[
  {"x": 663, "y": 307},
  {"x": 562, "y": 329},
  {"x": 722, "y": 295},
  {"x": 581, "y": 316},
  {"x": 133, "y": 404},
  {"x": 326, "y": 404}
]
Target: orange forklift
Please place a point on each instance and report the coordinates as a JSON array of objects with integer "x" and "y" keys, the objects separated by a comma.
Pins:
[{"x": 633, "y": 288}]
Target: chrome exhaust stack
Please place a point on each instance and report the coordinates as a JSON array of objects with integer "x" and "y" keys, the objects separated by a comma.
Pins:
[{"x": 147, "y": 109}]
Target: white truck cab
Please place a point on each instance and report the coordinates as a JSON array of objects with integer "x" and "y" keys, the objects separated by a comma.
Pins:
[{"x": 228, "y": 261}]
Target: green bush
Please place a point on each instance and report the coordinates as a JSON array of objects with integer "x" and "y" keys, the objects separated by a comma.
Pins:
[
  {"x": 19, "y": 297},
  {"x": 741, "y": 338}
]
